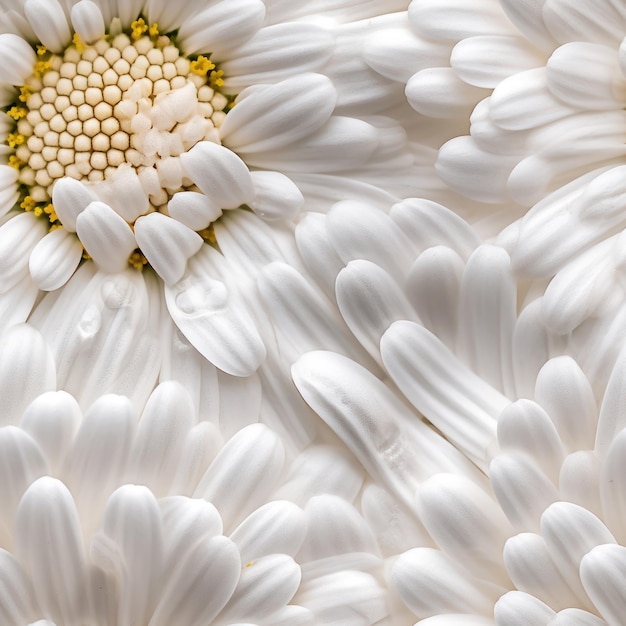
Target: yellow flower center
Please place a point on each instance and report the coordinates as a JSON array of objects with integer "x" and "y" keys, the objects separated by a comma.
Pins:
[{"x": 128, "y": 100}]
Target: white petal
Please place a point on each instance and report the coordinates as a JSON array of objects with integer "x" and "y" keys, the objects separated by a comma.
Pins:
[
  {"x": 17, "y": 59},
  {"x": 571, "y": 532},
  {"x": 334, "y": 528},
  {"x": 106, "y": 236},
  {"x": 485, "y": 60},
  {"x": 523, "y": 490},
  {"x": 87, "y": 21},
  {"x": 465, "y": 522},
  {"x": 49, "y": 23},
  {"x": 261, "y": 453},
  {"x": 517, "y": 608},
  {"x": 133, "y": 534},
  {"x": 70, "y": 197},
  {"x": 51, "y": 420},
  {"x": 218, "y": 27},
  {"x": 277, "y": 52},
  {"x": 265, "y": 586},
  {"x": 200, "y": 585},
  {"x": 276, "y": 527},
  {"x": 370, "y": 301},
  {"x": 602, "y": 572},
  {"x": 27, "y": 369},
  {"x": 438, "y": 92},
  {"x": 576, "y": 616},
  {"x": 50, "y": 544},
  {"x": 612, "y": 488},
  {"x": 124, "y": 192},
  {"x": 219, "y": 173},
  {"x": 167, "y": 244},
  {"x": 595, "y": 66},
  {"x": 279, "y": 115},
  {"x": 487, "y": 315},
  {"x": 54, "y": 259},
  {"x": 17, "y": 605},
  {"x": 579, "y": 480},
  {"x": 612, "y": 417},
  {"x": 525, "y": 427},
  {"x": 563, "y": 390},
  {"x": 164, "y": 424},
  {"x": 193, "y": 209},
  {"x": 528, "y": 18},
  {"x": 276, "y": 196},
  {"x": 532, "y": 570},
  {"x": 212, "y": 320},
  {"x": 430, "y": 583},
  {"x": 452, "y": 397}
]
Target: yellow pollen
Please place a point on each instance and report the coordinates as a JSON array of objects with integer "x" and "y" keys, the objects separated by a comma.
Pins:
[
  {"x": 16, "y": 113},
  {"x": 38, "y": 211},
  {"x": 41, "y": 67},
  {"x": 138, "y": 28},
  {"x": 15, "y": 139},
  {"x": 202, "y": 66},
  {"x": 153, "y": 31},
  {"x": 15, "y": 162},
  {"x": 78, "y": 43},
  {"x": 55, "y": 227},
  {"x": 28, "y": 204},
  {"x": 51, "y": 213},
  {"x": 250, "y": 563},
  {"x": 216, "y": 78},
  {"x": 137, "y": 260},
  {"x": 25, "y": 93},
  {"x": 41, "y": 49}
]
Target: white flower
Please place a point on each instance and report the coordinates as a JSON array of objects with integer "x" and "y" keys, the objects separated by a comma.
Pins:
[
  {"x": 130, "y": 130},
  {"x": 521, "y": 520},
  {"x": 111, "y": 516}
]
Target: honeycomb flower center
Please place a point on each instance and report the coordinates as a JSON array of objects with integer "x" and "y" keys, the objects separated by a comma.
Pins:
[{"x": 128, "y": 100}]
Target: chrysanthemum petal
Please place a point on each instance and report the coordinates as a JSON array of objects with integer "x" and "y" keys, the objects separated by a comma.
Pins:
[
  {"x": 517, "y": 608},
  {"x": 17, "y": 59},
  {"x": 17, "y": 605},
  {"x": 70, "y": 198},
  {"x": 27, "y": 369},
  {"x": 193, "y": 209},
  {"x": 54, "y": 259},
  {"x": 276, "y": 196},
  {"x": 167, "y": 244},
  {"x": 87, "y": 21},
  {"x": 219, "y": 173},
  {"x": 278, "y": 115},
  {"x": 276, "y": 52},
  {"x": 49, "y": 22}
]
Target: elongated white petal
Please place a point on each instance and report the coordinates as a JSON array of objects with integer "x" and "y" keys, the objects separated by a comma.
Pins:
[
  {"x": 49, "y": 23},
  {"x": 200, "y": 585},
  {"x": 523, "y": 490},
  {"x": 430, "y": 583},
  {"x": 276, "y": 527},
  {"x": 17, "y": 605},
  {"x": 219, "y": 173},
  {"x": 570, "y": 532},
  {"x": 370, "y": 301},
  {"x": 532, "y": 570},
  {"x": 106, "y": 236},
  {"x": 209, "y": 316},
  {"x": 27, "y": 369},
  {"x": 279, "y": 115},
  {"x": 17, "y": 59},
  {"x": 602, "y": 572},
  {"x": 465, "y": 522},
  {"x": 451, "y": 396},
  {"x": 517, "y": 608},
  {"x": 51, "y": 420},
  {"x": 563, "y": 390},
  {"x": 261, "y": 452},
  {"x": 193, "y": 209},
  {"x": 133, "y": 533},
  {"x": 49, "y": 543},
  {"x": 576, "y": 616},
  {"x": 277, "y": 52},
  {"x": 612, "y": 488},
  {"x": 70, "y": 197},
  {"x": 265, "y": 585},
  {"x": 217, "y": 27},
  {"x": 87, "y": 21},
  {"x": 579, "y": 480},
  {"x": 167, "y": 244},
  {"x": 612, "y": 418},
  {"x": 54, "y": 259},
  {"x": 276, "y": 196}
]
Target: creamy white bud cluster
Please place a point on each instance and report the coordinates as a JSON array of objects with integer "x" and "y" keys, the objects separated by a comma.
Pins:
[{"x": 125, "y": 100}]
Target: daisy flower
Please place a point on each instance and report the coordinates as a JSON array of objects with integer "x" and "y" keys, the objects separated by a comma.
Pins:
[
  {"x": 524, "y": 525},
  {"x": 116, "y": 516},
  {"x": 138, "y": 136}
]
